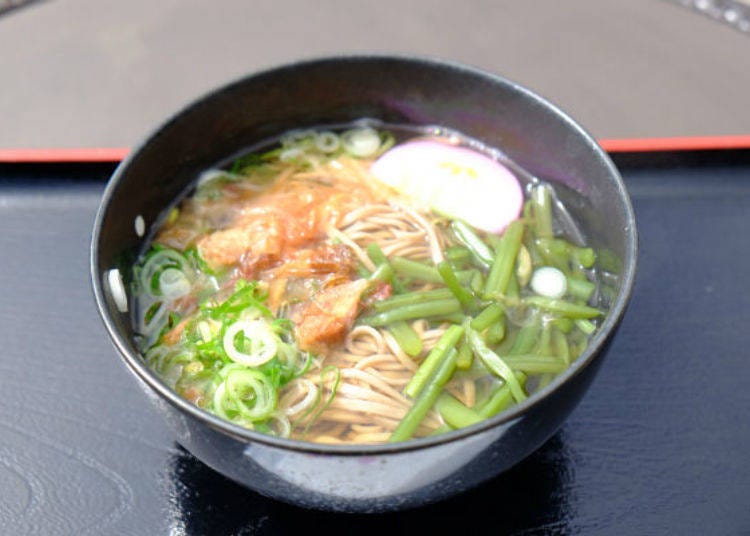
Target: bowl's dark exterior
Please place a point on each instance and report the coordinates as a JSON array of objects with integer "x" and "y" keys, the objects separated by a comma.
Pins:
[
  {"x": 531, "y": 131},
  {"x": 376, "y": 482}
]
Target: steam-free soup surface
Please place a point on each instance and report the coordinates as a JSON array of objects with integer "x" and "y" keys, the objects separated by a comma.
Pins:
[{"x": 340, "y": 287}]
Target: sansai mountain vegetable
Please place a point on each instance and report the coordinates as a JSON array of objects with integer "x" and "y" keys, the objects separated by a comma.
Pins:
[{"x": 233, "y": 357}]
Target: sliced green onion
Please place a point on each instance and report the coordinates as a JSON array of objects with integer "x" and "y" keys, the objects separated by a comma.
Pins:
[
  {"x": 247, "y": 393},
  {"x": 549, "y": 281},
  {"x": 197, "y": 384},
  {"x": 263, "y": 342},
  {"x": 291, "y": 154},
  {"x": 168, "y": 363},
  {"x": 305, "y": 365},
  {"x": 117, "y": 289},
  {"x": 301, "y": 136},
  {"x": 247, "y": 298},
  {"x": 284, "y": 428},
  {"x": 207, "y": 329},
  {"x": 387, "y": 140},
  {"x": 153, "y": 318},
  {"x": 327, "y": 142},
  {"x": 361, "y": 142},
  {"x": 155, "y": 264},
  {"x": 173, "y": 283},
  {"x": 311, "y": 395}
]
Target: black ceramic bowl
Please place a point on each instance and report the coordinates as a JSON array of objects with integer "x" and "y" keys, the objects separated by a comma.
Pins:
[{"x": 500, "y": 113}]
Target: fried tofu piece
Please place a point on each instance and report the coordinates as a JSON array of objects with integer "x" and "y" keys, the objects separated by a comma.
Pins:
[
  {"x": 323, "y": 260},
  {"x": 328, "y": 315},
  {"x": 259, "y": 237}
]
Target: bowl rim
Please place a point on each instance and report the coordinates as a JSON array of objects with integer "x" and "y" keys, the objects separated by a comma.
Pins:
[{"x": 137, "y": 366}]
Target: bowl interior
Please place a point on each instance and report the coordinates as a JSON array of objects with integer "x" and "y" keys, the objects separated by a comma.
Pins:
[{"x": 499, "y": 113}]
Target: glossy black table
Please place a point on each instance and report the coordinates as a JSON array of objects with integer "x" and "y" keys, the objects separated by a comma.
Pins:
[{"x": 660, "y": 445}]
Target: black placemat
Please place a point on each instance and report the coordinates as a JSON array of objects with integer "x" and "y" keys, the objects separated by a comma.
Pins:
[{"x": 658, "y": 446}]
